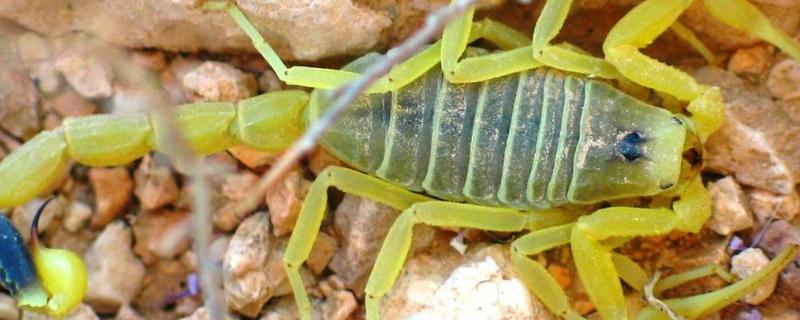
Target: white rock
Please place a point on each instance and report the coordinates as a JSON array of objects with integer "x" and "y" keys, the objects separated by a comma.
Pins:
[
  {"x": 248, "y": 284},
  {"x": 478, "y": 291},
  {"x": 784, "y": 80},
  {"x": 730, "y": 207},
  {"x": 115, "y": 273},
  {"x": 745, "y": 264},
  {"x": 217, "y": 81},
  {"x": 89, "y": 75},
  {"x": 767, "y": 204},
  {"x": 76, "y": 215},
  {"x": 446, "y": 285}
]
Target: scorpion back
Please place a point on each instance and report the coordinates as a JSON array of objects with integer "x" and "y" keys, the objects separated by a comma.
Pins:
[{"x": 529, "y": 140}]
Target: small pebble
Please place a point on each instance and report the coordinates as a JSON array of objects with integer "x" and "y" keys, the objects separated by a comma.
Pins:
[
  {"x": 113, "y": 189},
  {"x": 217, "y": 81},
  {"x": 745, "y": 264},
  {"x": 115, "y": 273}
]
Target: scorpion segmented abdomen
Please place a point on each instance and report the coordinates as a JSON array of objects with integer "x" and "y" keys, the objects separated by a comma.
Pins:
[{"x": 529, "y": 140}]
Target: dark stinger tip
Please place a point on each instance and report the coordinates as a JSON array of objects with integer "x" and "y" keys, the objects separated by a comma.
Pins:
[{"x": 35, "y": 222}]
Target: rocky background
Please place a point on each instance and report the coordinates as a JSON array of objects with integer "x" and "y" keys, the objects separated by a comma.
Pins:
[{"x": 132, "y": 223}]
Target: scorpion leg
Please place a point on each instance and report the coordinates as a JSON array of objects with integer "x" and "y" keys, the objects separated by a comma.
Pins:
[
  {"x": 704, "y": 304},
  {"x": 461, "y": 31},
  {"x": 678, "y": 279},
  {"x": 563, "y": 56},
  {"x": 313, "y": 210},
  {"x": 535, "y": 276},
  {"x": 640, "y": 27},
  {"x": 446, "y": 214},
  {"x": 744, "y": 16}
]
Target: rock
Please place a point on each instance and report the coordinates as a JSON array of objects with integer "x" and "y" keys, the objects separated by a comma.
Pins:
[
  {"x": 784, "y": 80},
  {"x": 87, "y": 71},
  {"x": 730, "y": 207},
  {"x": 745, "y": 264},
  {"x": 230, "y": 192},
  {"x": 284, "y": 201},
  {"x": 361, "y": 226},
  {"x": 127, "y": 313},
  {"x": 247, "y": 283},
  {"x": 133, "y": 98},
  {"x": 482, "y": 285},
  {"x": 76, "y": 215},
  {"x": 155, "y": 187},
  {"x": 22, "y": 216},
  {"x": 778, "y": 235},
  {"x": 46, "y": 76},
  {"x": 319, "y": 159},
  {"x": 321, "y": 253},
  {"x": 115, "y": 274},
  {"x": 8, "y": 308},
  {"x": 163, "y": 285},
  {"x": 268, "y": 81},
  {"x": 252, "y": 158},
  {"x": 766, "y": 204},
  {"x": 217, "y": 81},
  {"x": 18, "y": 97},
  {"x": 789, "y": 281},
  {"x": 71, "y": 104},
  {"x": 283, "y": 308},
  {"x": 753, "y": 61},
  {"x": 163, "y": 234},
  {"x": 759, "y": 143},
  {"x": 113, "y": 189},
  {"x": 202, "y": 314},
  {"x": 155, "y": 60},
  {"x": 339, "y": 303},
  {"x": 32, "y": 48},
  {"x": 303, "y": 30}
]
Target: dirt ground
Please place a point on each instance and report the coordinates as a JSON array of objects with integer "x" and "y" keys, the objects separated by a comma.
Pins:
[{"x": 132, "y": 224}]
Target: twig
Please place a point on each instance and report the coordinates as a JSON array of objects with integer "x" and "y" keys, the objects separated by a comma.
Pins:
[
  {"x": 177, "y": 148},
  {"x": 655, "y": 302},
  {"x": 346, "y": 95}
]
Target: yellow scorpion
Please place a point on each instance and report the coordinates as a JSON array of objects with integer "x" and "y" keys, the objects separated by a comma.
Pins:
[{"x": 498, "y": 141}]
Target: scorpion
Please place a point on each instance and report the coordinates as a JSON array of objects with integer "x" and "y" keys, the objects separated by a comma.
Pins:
[{"x": 507, "y": 141}]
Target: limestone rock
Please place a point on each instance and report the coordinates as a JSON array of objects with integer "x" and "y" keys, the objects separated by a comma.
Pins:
[
  {"x": 162, "y": 234},
  {"x": 229, "y": 191},
  {"x": 753, "y": 61},
  {"x": 217, "y": 81},
  {"x": 759, "y": 143},
  {"x": 482, "y": 285},
  {"x": 767, "y": 204},
  {"x": 784, "y": 80},
  {"x": 284, "y": 201},
  {"x": 115, "y": 274},
  {"x": 155, "y": 186},
  {"x": 76, "y": 215},
  {"x": 248, "y": 284},
  {"x": 730, "y": 208}
]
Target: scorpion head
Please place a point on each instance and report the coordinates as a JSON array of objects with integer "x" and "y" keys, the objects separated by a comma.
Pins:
[{"x": 627, "y": 148}]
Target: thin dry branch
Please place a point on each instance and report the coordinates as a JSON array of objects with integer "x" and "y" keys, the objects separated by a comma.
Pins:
[
  {"x": 657, "y": 303},
  {"x": 185, "y": 159},
  {"x": 346, "y": 95}
]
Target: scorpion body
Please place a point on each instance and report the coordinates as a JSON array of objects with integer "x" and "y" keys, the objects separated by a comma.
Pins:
[
  {"x": 534, "y": 139},
  {"x": 490, "y": 134}
]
